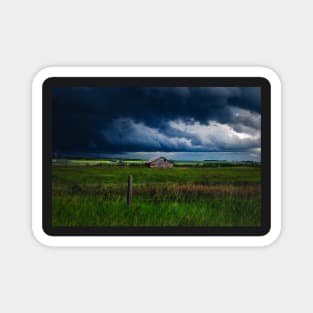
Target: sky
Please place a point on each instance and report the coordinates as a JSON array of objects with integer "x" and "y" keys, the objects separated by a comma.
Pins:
[{"x": 180, "y": 123}]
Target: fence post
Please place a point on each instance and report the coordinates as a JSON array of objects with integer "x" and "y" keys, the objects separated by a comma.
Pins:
[{"x": 130, "y": 191}]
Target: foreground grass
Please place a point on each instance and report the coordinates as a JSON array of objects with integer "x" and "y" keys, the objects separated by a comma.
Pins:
[
  {"x": 96, "y": 211},
  {"x": 88, "y": 196}
]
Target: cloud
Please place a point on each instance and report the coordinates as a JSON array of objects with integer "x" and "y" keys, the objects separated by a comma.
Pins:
[
  {"x": 216, "y": 136},
  {"x": 125, "y": 134},
  {"x": 125, "y": 119},
  {"x": 132, "y": 136}
]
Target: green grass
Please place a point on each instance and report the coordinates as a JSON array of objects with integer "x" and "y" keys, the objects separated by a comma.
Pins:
[
  {"x": 181, "y": 196},
  {"x": 142, "y": 175}
]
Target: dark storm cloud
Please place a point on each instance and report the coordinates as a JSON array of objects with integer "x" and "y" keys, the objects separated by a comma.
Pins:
[{"x": 96, "y": 119}]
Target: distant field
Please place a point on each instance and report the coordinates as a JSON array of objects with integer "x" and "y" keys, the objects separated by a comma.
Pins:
[
  {"x": 182, "y": 196},
  {"x": 130, "y": 162},
  {"x": 106, "y": 162}
]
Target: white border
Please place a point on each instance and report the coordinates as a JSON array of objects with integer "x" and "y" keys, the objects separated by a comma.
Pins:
[{"x": 161, "y": 241}]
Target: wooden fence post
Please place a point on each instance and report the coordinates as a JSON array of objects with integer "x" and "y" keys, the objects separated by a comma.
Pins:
[{"x": 130, "y": 191}]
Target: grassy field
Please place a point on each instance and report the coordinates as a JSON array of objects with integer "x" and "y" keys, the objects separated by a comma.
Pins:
[{"x": 88, "y": 195}]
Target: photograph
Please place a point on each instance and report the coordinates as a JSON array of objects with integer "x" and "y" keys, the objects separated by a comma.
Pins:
[{"x": 156, "y": 156}]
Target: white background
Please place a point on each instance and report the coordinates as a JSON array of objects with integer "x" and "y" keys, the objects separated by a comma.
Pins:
[{"x": 36, "y": 34}]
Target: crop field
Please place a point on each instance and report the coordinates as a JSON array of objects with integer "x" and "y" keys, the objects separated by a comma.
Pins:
[{"x": 186, "y": 195}]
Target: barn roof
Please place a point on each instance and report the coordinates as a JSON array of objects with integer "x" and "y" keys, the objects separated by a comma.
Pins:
[{"x": 157, "y": 158}]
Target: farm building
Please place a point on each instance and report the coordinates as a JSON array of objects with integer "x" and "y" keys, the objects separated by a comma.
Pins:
[{"x": 159, "y": 162}]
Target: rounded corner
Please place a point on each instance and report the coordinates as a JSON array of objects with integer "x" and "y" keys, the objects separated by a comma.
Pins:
[
  {"x": 42, "y": 76},
  {"x": 270, "y": 75},
  {"x": 41, "y": 236},
  {"x": 272, "y": 236},
  {"x": 47, "y": 82}
]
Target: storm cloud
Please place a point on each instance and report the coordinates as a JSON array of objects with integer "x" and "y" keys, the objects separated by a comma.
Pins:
[{"x": 115, "y": 120}]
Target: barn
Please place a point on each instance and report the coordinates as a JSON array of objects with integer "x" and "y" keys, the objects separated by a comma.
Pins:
[{"x": 159, "y": 162}]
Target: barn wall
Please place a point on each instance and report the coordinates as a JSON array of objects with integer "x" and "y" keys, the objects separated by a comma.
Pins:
[{"x": 161, "y": 163}]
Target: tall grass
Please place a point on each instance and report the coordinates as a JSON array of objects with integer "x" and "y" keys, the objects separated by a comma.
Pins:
[{"x": 87, "y": 196}]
